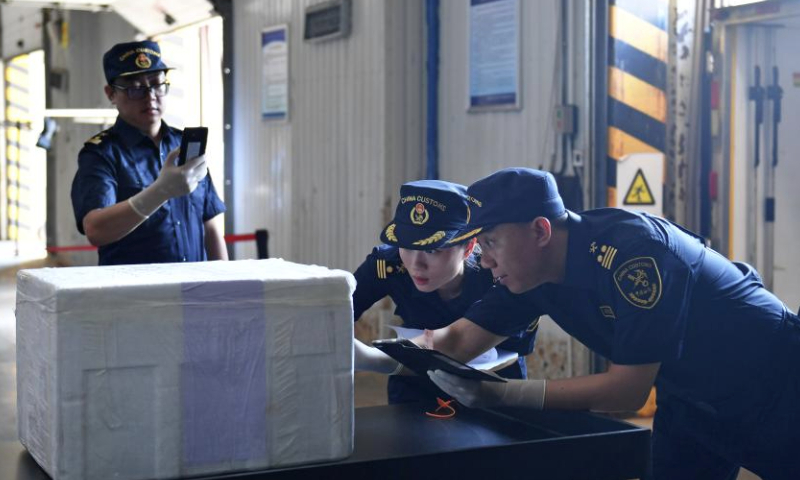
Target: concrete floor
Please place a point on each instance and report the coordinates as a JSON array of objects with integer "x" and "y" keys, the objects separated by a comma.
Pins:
[{"x": 370, "y": 389}]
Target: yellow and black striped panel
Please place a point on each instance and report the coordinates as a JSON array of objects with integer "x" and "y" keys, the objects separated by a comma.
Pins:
[
  {"x": 637, "y": 81},
  {"x": 17, "y": 117}
]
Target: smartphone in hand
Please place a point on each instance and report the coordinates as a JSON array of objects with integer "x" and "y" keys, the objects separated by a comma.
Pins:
[{"x": 193, "y": 143}]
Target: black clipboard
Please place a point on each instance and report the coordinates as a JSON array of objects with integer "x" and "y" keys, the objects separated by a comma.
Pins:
[{"x": 420, "y": 360}]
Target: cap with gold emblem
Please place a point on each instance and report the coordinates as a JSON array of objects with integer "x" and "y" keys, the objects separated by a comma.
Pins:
[
  {"x": 132, "y": 58},
  {"x": 429, "y": 215},
  {"x": 513, "y": 195}
]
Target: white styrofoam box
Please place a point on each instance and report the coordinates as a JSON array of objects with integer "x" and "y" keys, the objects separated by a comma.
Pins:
[{"x": 165, "y": 370}]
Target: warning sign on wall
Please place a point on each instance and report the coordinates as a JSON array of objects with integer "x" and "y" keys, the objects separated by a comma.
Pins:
[
  {"x": 640, "y": 182},
  {"x": 639, "y": 192}
]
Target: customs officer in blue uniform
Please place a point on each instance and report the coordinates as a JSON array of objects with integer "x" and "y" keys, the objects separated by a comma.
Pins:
[
  {"x": 664, "y": 309},
  {"x": 129, "y": 196},
  {"x": 429, "y": 269}
]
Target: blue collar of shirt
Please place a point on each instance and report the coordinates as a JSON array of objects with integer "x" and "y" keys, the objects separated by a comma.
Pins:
[
  {"x": 580, "y": 263},
  {"x": 131, "y": 136}
]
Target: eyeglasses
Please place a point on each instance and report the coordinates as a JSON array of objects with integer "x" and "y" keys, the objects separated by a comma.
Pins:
[{"x": 137, "y": 93}]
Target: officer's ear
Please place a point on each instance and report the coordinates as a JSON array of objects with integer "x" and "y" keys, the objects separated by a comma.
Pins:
[
  {"x": 109, "y": 93},
  {"x": 470, "y": 247},
  {"x": 542, "y": 231}
]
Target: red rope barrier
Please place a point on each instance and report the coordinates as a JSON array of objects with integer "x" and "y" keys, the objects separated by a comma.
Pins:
[{"x": 240, "y": 238}]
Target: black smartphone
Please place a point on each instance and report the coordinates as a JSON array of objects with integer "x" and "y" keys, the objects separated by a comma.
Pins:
[
  {"x": 193, "y": 143},
  {"x": 420, "y": 360}
]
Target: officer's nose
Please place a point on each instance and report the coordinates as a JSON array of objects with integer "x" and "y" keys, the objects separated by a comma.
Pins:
[
  {"x": 487, "y": 261},
  {"x": 418, "y": 260}
]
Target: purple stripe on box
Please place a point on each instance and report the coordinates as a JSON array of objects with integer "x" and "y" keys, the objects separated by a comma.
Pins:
[{"x": 223, "y": 377}]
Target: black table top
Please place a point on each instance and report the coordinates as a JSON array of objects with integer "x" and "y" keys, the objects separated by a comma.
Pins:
[{"x": 400, "y": 441}]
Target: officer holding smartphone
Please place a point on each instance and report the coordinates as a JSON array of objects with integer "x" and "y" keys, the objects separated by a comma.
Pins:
[{"x": 131, "y": 197}]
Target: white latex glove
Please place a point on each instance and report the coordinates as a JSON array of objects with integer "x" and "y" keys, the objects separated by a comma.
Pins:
[
  {"x": 173, "y": 181},
  {"x": 476, "y": 393},
  {"x": 373, "y": 360}
]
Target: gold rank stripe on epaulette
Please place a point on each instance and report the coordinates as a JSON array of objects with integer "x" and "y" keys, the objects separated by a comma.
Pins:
[
  {"x": 385, "y": 270},
  {"x": 381, "y": 268},
  {"x": 606, "y": 258}
]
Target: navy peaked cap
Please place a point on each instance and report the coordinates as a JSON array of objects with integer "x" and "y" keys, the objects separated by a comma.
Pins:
[
  {"x": 512, "y": 195},
  {"x": 430, "y": 214},
  {"x": 132, "y": 58}
]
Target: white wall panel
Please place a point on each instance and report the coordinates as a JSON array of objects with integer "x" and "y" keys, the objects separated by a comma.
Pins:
[
  {"x": 90, "y": 35},
  {"x": 473, "y": 145},
  {"x": 320, "y": 181},
  {"x": 21, "y": 30},
  {"x": 261, "y": 150},
  {"x": 339, "y": 104}
]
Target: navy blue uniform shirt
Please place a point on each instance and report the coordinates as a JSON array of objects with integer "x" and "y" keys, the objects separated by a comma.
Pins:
[
  {"x": 639, "y": 289},
  {"x": 119, "y": 163},
  {"x": 383, "y": 274}
]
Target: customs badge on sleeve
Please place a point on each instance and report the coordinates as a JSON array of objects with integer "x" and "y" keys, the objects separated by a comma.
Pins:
[{"x": 639, "y": 281}]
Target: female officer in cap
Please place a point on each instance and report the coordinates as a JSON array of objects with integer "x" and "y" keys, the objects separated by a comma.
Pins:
[{"x": 429, "y": 269}]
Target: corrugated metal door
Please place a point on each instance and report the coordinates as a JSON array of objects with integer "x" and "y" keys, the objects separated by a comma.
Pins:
[
  {"x": 26, "y": 175},
  {"x": 195, "y": 95}
]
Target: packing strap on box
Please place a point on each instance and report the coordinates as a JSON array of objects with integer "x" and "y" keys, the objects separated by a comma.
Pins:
[{"x": 224, "y": 378}]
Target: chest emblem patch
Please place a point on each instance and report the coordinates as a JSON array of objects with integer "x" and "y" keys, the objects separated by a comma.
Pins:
[{"x": 639, "y": 281}]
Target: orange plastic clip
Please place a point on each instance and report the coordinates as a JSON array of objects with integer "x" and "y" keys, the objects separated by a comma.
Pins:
[{"x": 443, "y": 405}]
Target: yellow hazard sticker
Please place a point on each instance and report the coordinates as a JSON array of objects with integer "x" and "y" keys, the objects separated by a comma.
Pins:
[{"x": 639, "y": 192}]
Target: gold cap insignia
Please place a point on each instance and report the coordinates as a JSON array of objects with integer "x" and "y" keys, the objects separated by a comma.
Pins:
[
  {"x": 639, "y": 281},
  {"x": 419, "y": 214},
  {"x": 390, "y": 233},
  {"x": 142, "y": 61},
  {"x": 432, "y": 239}
]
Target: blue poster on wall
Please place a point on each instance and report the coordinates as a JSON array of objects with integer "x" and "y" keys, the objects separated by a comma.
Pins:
[
  {"x": 494, "y": 54},
  {"x": 275, "y": 73}
]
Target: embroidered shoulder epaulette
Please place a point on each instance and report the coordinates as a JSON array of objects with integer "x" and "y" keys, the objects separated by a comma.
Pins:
[
  {"x": 604, "y": 254},
  {"x": 385, "y": 268},
  {"x": 98, "y": 139}
]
